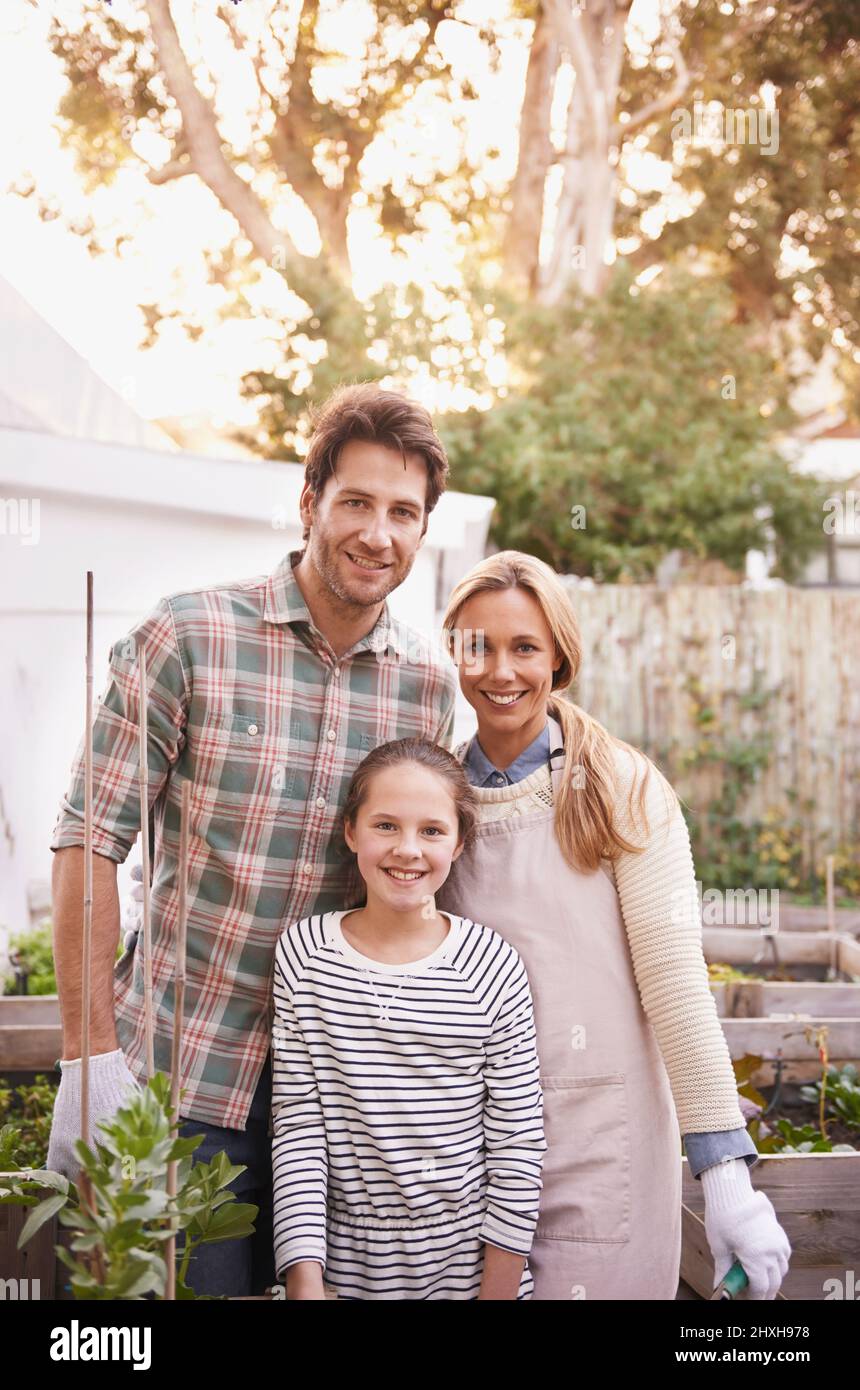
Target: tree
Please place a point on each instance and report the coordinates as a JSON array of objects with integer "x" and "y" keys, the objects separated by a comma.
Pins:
[
  {"x": 571, "y": 187},
  {"x": 780, "y": 225},
  {"x": 780, "y": 232},
  {"x": 591, "y": 36},
  {"x": 641, "y": 423},
  {"x": 782, "y": 228}
]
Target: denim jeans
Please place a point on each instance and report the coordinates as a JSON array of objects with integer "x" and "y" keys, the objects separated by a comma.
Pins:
[{"x": 245, "y": 1266}]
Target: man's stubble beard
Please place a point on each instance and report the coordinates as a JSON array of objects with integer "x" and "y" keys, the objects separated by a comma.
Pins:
[{"x": 323, "y": 556}]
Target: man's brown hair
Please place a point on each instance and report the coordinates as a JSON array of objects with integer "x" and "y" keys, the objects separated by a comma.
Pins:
[{"x": 365, "y": 411}]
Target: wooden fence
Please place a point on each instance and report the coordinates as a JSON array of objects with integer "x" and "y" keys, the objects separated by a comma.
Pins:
[{"x": 661, "y": 666}]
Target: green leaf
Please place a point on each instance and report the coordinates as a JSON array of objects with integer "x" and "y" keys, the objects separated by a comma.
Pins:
[
  {"x": 231, "y": 1222},
  {"x": 39, "y": 1215}
]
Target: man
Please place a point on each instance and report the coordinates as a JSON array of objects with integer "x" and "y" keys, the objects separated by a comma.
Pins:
[{"x": 264, "y": 695}]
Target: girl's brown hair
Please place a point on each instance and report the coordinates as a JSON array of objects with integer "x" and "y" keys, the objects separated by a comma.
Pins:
[
  {"x": 426, "y": 754},
  {"x": 584, "y": 822}
]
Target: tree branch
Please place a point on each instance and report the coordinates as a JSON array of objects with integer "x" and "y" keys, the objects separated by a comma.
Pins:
[
  {"x": 660, "y": 104},
  {"x": 177, "y": 166},
  {"x": 534, "y": 157},
  {"x": 200, "y": 131},
  {"x": 571, "y": 34},
  {"x": 173, "y": 169}
]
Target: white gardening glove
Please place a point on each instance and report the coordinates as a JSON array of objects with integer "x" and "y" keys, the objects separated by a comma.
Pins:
[
  {"x": 131, "y": 909},
  {"x": 111, "y": 1085},
  {"x": 741, "y": 1224}
]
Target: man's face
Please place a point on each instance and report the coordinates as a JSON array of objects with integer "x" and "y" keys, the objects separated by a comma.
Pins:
[{"x": 371, "y": 510}]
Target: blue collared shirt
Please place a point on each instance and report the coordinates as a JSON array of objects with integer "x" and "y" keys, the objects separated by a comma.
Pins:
[
  {"x": 482, "y": 773},
  {"x": 702, "y": 1150}
]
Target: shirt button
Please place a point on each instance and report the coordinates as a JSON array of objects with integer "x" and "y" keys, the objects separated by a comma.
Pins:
[
  {"x": 308, "y": 869},
  {"x": 336, "y": 671},
  {"x": 321, "y": 801},
  {"x": 331, "y": 734},
  {"x": 498, "y": 777},
  {"x": 252, "y": 728}
]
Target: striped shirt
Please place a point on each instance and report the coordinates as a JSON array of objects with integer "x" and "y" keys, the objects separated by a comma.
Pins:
[
  {"x": 402, "y": 1094},
  {"x": 248, "y": 702}
]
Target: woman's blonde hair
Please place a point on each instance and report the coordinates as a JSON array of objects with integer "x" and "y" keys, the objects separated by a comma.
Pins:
[{"x": 584, "y": 821}]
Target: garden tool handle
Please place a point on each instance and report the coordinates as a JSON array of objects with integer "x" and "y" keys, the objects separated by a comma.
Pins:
[{"x": 732, "y": 1282}]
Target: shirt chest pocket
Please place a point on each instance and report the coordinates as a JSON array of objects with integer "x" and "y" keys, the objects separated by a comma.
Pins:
[{"x": 241, "y": 776}]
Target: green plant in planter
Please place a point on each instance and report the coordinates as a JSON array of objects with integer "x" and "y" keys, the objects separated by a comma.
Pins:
[
  {"x": 118, "y": 1249},
  {"x": 783, "y": 1137},
  {"x": 800, "y": 1139},
  {"x": 842, "y": 1091},
  {"x": 721, "y": 973},
  {"x": 32, "y": 952},
  {"x": 26, "y": 1111}
]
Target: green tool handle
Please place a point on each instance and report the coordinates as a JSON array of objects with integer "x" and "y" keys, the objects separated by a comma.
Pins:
[{"x": 732, "y": 1282}]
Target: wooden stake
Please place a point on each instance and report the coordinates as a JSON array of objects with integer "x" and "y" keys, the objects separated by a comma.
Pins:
[
  {"x": 178, "y": 1005},
  {"x": 829, "y": 866},
  {"x": 86, "y": 958},
  {"x": 144, "y": 838},
  {"x": 96, "y": 1262}
]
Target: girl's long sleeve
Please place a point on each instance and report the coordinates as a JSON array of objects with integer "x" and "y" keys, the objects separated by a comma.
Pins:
[
  {"x": 299, "y": 1157},
  {"x": 513, "y": 1121}
]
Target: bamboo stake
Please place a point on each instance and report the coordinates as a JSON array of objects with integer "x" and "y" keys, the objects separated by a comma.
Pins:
[
  {"x": 144, "y": 838},
  {"x": 96, "y": 1261},
  {"x": 87, "y": 949},
  {"x": 829, "y": 866},
  {"x": 178, "y": 1004}
]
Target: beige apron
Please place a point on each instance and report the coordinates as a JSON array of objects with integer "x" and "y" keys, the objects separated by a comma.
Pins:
[{"x": 610, "y": 1212}]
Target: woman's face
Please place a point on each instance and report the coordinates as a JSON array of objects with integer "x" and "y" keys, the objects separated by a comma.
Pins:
[{"x": 516, "y": 664}]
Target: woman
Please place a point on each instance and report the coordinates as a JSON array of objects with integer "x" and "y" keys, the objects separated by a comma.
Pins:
[{"x": 597, "y": 895}]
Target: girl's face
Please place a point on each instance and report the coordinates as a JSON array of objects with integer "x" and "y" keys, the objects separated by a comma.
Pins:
[
  {"x": 518, "y": 659},
  {"x": 405, "y": 835}
]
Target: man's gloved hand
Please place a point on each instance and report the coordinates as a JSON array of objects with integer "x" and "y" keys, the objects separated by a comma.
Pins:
[
  {"x": 111, "y": 1084},
  {"x": 131, "y": 909},
  {"x": 740, "y": 1223}
]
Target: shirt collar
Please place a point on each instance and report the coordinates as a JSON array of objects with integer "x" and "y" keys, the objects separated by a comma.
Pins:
[
  {"x": 482, "y": 773},
  {"x": 285, "y": 603}
]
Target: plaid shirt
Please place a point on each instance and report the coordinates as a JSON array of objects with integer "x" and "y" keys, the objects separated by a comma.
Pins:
[{"x": 248, "y": 702}]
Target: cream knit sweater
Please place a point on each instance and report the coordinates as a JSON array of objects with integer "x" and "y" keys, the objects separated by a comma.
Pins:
[{"x": 657, "y": 894}]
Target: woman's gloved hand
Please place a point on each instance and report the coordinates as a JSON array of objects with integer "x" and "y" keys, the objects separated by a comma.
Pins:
[
  {"x": 741, "y": 1224},
  {"x": 131, "y": 909},
  {"x": 111, "y": 1084}
]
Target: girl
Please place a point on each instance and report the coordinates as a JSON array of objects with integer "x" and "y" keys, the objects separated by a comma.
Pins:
[
  {"x": 581, "y": 860},
  {"x": 406, "y": 1106}
]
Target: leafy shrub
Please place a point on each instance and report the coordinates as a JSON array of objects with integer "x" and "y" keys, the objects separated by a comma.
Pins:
[
  {"x": 32, "y": 951},
  {"x": 120, "y": 1211}
]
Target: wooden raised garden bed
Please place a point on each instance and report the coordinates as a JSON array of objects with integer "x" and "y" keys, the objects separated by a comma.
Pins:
[
  {"x": 796, "y": 917},
  {"x": 792, "y": 917},
  {"x": 31, "y": 1036},
  {"x": 807, "y": 954},
  {"x": 38, "y": 1259},
  {"x": 779, "y": 1018},
  {"x": 773, "y": 1016},
  {"x": 817, "y": 1201}
]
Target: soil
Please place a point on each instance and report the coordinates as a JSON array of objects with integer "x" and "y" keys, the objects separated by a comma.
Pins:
[{"x": 814, "y": 973}]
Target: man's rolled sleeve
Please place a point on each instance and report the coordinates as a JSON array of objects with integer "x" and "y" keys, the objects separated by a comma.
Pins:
[{"x": 116, "y": 735}]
